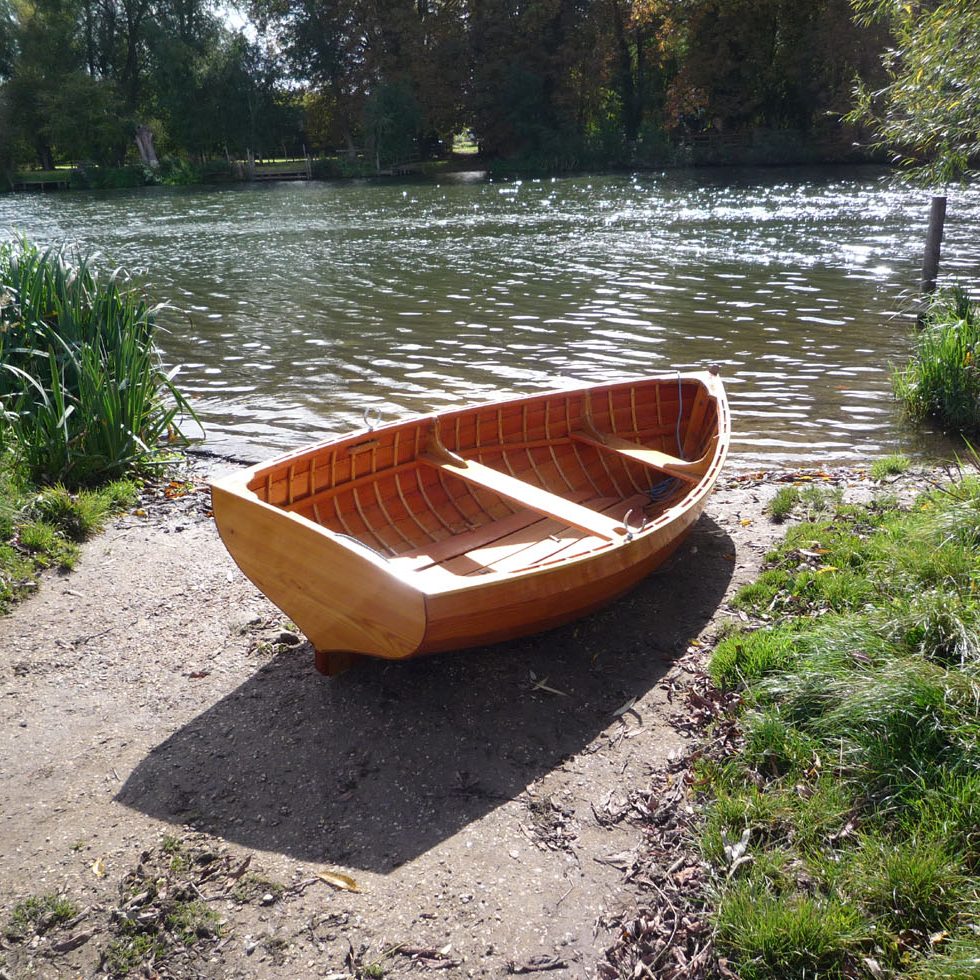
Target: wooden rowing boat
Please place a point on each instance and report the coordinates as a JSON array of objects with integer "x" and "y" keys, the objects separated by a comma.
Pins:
[{"x": 479, "y": 524}]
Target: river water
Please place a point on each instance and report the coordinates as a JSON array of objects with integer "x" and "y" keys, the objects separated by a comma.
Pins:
[{"x": 298, "y": 306}]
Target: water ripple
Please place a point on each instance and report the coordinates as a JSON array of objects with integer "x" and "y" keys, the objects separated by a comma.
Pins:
[{"x": 299, "y": 305}]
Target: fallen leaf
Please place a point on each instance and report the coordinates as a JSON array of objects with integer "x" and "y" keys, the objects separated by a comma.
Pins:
[
  {"x": 98, "y": 868},
  {"x": 735, "y": 851},
  {"x": 543, "y": 686},
  {"x": 339, "y": 881},
  {"x": 873, "y": 967},
  {"x": 745, "y": 522}
]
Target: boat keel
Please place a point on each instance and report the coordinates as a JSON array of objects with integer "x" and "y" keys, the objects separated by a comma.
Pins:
[{"x": 330, "y": 663}]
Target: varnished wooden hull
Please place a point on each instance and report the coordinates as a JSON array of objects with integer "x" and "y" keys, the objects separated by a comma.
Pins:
[{"x": 477, "y": 525}]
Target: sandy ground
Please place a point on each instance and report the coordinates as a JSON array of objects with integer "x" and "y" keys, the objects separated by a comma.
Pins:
[{"x": 475, "y": 797}]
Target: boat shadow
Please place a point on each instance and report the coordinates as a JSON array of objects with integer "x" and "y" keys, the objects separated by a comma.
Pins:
[{"x": 374, "y": 767}]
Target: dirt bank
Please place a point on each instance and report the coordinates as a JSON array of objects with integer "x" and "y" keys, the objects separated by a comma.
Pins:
[{"x": 155, "y": 696}]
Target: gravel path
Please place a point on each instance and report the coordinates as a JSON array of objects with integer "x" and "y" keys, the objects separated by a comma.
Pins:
[{"x": 476, "y": 798}]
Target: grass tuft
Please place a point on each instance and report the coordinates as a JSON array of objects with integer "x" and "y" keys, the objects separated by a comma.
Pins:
[
  {"x": 749, "y": 655},
  {"x": 889, "y": 466},
  {"x": 37, "y": 914},
  {"x": 775, "y": 936},
  {"x": 782, "y": 504},
  {"x": 42, "y": 530},
  {"x": 909, "y": 884}
]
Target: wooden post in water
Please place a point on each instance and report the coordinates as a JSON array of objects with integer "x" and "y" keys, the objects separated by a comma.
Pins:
[{"x": 934, "y": 240}]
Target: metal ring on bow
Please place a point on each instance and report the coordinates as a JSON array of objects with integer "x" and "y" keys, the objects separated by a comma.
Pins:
[{"x": 372, "y": 417}]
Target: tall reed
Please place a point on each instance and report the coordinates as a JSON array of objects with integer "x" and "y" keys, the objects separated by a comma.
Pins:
[
  {"x": 83, "y": 395},
  {"x": 942, "y": 381}
]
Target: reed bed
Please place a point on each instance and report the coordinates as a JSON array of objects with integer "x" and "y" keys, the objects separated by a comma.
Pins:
[
  {"x": 844, "y": 833},
  {"x": 83, "y": 396},
  {"x": 942, "y": 381}
]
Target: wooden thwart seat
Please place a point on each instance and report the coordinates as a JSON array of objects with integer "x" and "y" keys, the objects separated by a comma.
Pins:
[
  {"x": 524, "y": 494},
  {"x": 690, "y": 470}
]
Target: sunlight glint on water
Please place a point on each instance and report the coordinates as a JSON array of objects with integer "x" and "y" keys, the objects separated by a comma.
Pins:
[{"x": 301, "y": 305}]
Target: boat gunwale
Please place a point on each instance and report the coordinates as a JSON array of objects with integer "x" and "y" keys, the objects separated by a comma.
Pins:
[{"x": 425, "y": 581}]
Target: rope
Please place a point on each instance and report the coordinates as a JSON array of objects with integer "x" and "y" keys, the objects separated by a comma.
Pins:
[{"x": 665, "y": 488}]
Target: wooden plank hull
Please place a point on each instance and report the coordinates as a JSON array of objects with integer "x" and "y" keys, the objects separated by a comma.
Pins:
[{"x": 477, "y": 525}]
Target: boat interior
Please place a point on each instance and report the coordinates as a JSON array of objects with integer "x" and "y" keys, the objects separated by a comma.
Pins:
[{"x": 506, "y": 487}]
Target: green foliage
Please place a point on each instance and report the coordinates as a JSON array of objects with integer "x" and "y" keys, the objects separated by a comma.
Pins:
[
  {"x": 392, "y": 123},
  {"x": 82, "y": 393},
  {"x": 942, "y": 381},
  {"x": 37, "y": 914},
  {"x": 926, "y": 113},
  {"x": 88, "y": 177},
  {"x": 855, "y": 795},
  {"x": 550, "y": 86}
]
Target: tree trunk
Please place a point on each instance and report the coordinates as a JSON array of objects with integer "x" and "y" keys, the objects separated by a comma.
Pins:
[
  {"x": 44, "y": 155},
  {"x": 144, "y": 143}
]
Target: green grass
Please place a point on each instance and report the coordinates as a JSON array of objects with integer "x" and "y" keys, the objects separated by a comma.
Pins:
[
  {"x": 83, "y": 397},
  {"x": 856, "y": 785},
  {"x": 782, "y": 504},
  {"x": 123, "y": 955},
  {"x": 889, "y": 466},
  {"x": 42, "y": 529},
  {"x": 773, "y": 935},
  {"x": 942, "y": 380}
]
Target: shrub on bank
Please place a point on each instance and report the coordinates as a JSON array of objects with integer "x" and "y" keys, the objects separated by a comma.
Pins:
[
  {"x": 83, "y": 396},
  {"x": 845, "y": 829},
  {"x": 89, "y": 176},
  {"x": 942, "y": 381}
]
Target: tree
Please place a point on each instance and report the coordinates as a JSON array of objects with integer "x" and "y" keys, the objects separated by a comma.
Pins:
[
  {"x": 7, "y": 46},
  {"x": 772, "y": 63},
  {"x": 48, "y": 56},
  {"x": 928, "y": 112},
  {"x": 324, "y": 42}
]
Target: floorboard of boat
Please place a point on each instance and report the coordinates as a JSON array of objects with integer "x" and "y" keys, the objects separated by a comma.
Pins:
[
  {"x": 471, "y": 541},
  {"x": 583, "y": 545},
  {"x": 524, "y": 547}
]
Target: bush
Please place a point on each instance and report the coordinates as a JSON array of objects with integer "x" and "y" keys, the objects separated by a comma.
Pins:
[
  {"x": 89, "y": 176},
  {"x": 83, "y": 396}
]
